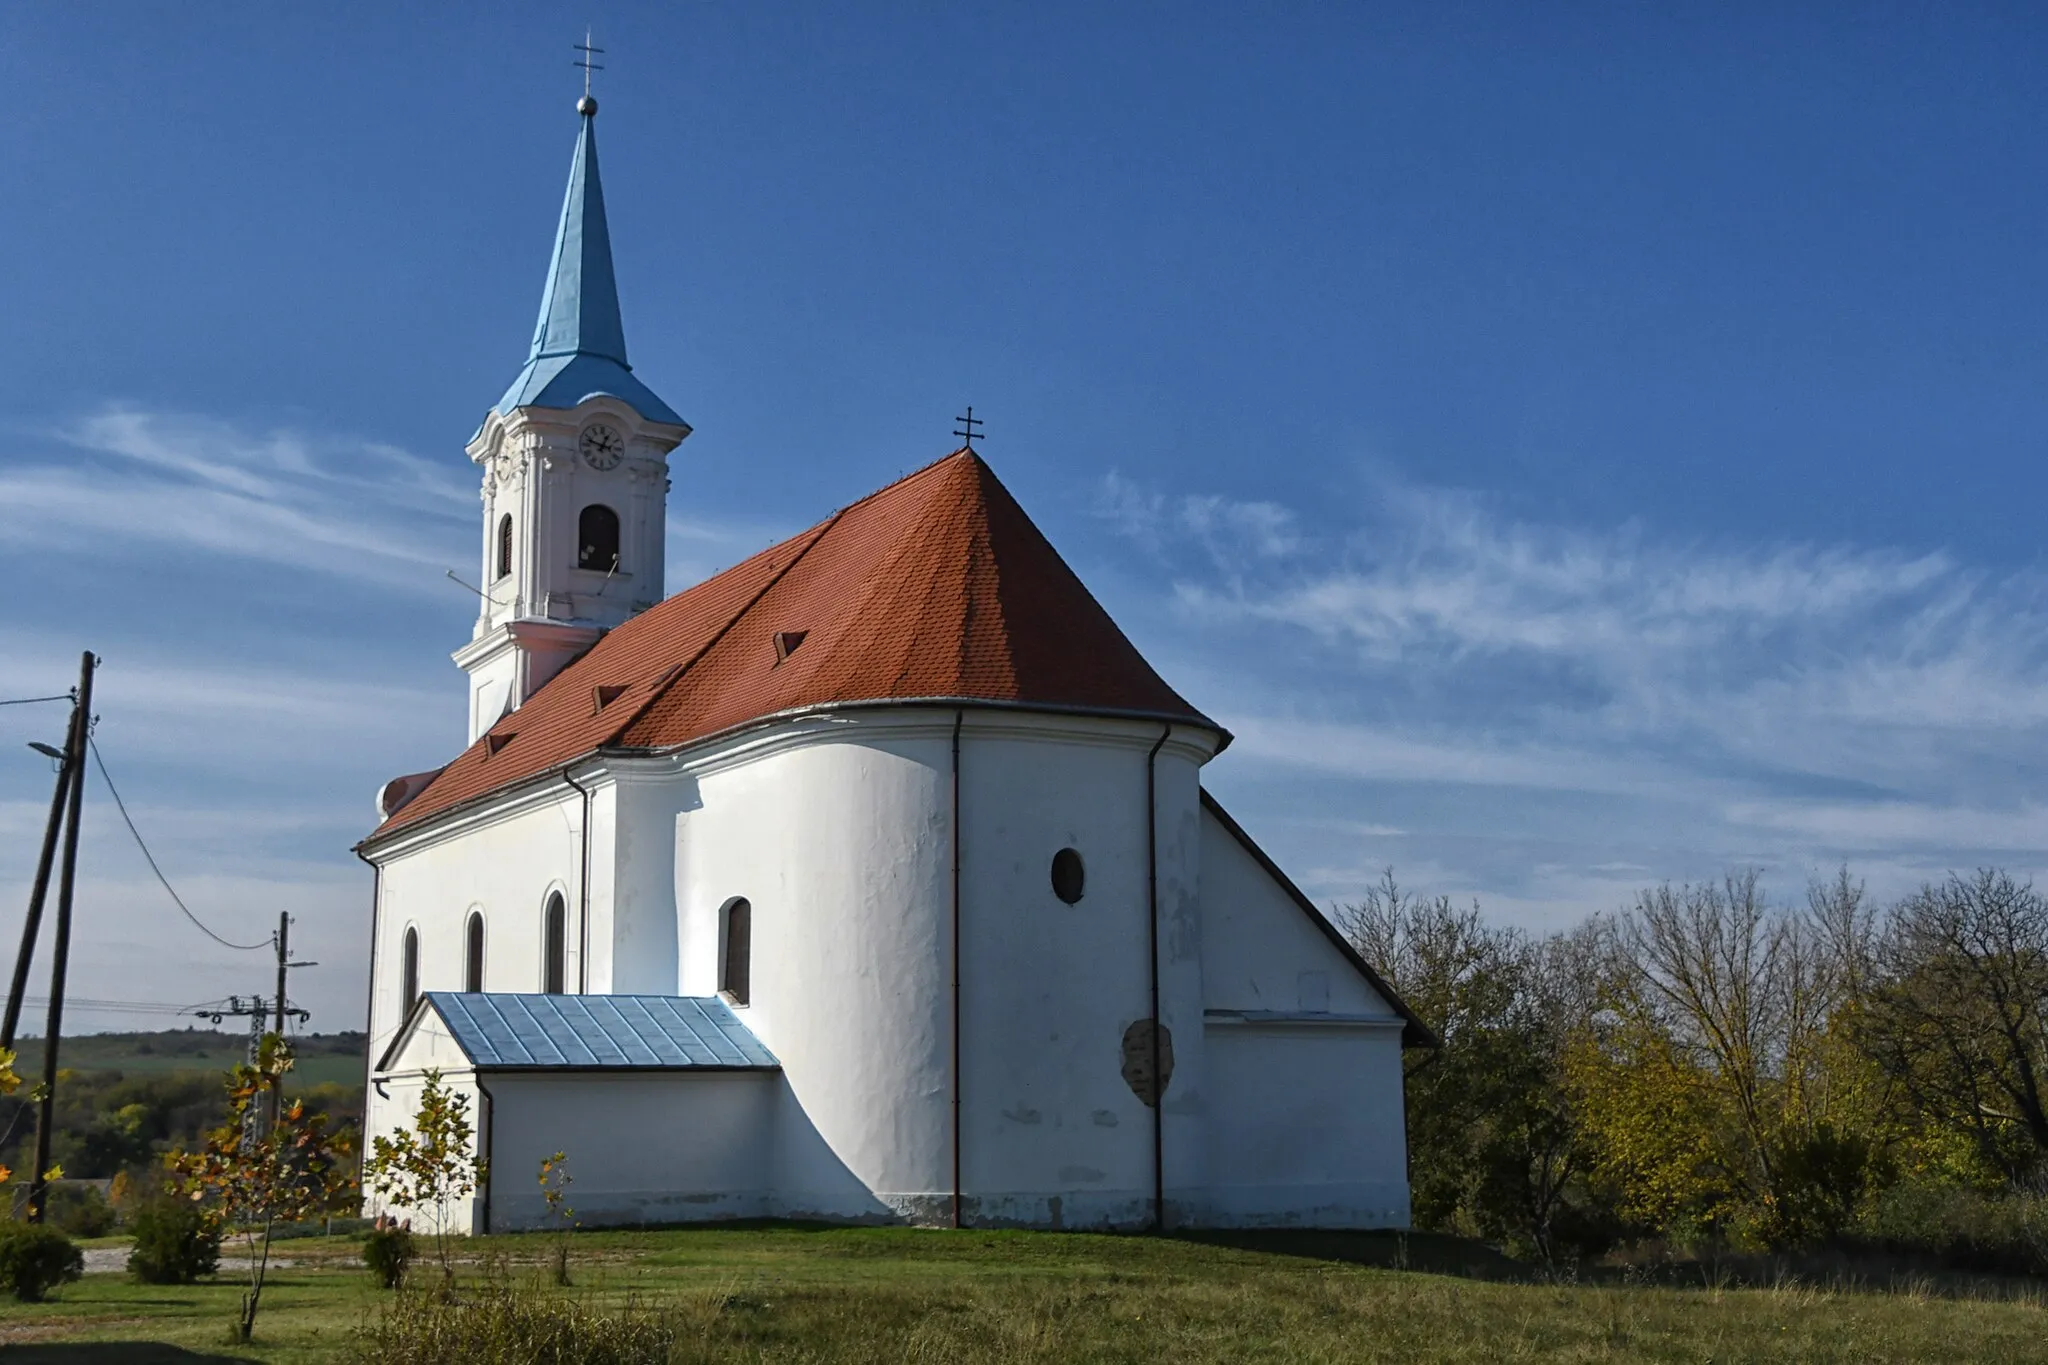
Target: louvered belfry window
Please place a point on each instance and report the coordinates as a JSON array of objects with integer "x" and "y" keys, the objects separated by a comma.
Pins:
[{"x": 597, "y": 538}]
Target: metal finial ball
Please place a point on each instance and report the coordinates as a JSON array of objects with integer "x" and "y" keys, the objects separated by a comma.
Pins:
[{"x": 586, "y": 106}]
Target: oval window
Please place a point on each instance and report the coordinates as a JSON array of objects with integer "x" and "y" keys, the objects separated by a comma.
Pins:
[{"x": 1068, "y": 876}]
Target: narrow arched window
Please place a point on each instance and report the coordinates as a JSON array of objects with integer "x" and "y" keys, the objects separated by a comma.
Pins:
[
  {"x": 473, "y": 953},
  {"x": 736, "y": 963},
  {"x": 409, "y": 969},
  {"x": 554, "y": 937},
  {"x": 504, "y": 545},
  {"x": 597, "y": 538}
]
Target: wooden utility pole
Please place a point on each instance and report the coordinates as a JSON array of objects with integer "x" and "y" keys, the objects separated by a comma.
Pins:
[
  {"x": 284, "y": 931},
  {"x": 74, "y": 760},
  {"x": 40, "y": 890}
]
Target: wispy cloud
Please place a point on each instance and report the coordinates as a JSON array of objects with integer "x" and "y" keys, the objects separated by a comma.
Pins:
[
  {"x": 1705, "y": 700},
  {"x": 337, "y": 506}
]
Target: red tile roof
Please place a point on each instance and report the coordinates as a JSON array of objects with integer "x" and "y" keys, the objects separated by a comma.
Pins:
[{"x": 936, "y": 587}]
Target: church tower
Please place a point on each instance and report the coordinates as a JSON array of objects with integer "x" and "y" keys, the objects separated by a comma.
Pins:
[{"x": 575, "y": 472}]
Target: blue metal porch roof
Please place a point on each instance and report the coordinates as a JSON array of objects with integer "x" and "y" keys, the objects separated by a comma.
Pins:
[{"x": 582, "y": 1032}]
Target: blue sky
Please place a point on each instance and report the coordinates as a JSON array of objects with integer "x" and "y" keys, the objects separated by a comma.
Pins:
[{"x": 1570, "y": 448}]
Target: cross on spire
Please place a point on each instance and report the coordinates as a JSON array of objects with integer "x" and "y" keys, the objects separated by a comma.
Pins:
[
  {"x": 967, "y": 432},
  {"x": 588, "y": 66}
]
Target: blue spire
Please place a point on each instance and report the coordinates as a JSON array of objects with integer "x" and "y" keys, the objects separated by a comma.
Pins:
[
  {"x": 579, "y": 312},
  {"x": 579, "y": 342}
]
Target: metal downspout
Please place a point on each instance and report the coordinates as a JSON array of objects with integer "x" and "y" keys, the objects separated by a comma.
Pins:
[
  {"x": 1152, "y": 924},
  {"x": 487, "y": 1120},
  {"x": 370, "y": 1005},
  {"x": 582, "y": 892},
  {"x": 959, "y": 719}
]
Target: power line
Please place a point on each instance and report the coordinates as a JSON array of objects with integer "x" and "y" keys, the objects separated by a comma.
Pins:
[
  {"x": 25, "y": 701},
  {"x": 151, "y": 860}
]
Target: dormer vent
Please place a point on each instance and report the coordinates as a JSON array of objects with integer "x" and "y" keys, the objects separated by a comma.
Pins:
[
  {"x": 787, "y": 642},
  {"x": 607, "y": 693},
  {"x": 493, "y": 743}
]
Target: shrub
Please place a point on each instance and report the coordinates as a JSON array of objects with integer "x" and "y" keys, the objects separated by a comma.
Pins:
[
  {"x": 1963, "y": 1229},
  {"x": 173, "y": 1243},
  {"x": 387, "y": 1251},
  {"x": 35, "y": 1258},
  {"x": 504, "y": 1319},
  {"x": 80, "y": 1210}
]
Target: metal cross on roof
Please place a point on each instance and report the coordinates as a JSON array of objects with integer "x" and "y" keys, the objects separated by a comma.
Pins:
[
  {"x": 967, "y": 432},
  {"x": 585, "y": 61}
]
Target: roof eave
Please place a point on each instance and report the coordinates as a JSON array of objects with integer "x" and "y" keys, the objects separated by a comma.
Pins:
[{"x": 559, "y": 772}]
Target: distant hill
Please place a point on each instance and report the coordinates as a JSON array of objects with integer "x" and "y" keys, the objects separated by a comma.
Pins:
[{"x": 339, "y": 1058}]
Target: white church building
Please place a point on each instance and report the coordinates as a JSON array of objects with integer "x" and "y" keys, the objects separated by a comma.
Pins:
[{"x": 870, "y": 880}]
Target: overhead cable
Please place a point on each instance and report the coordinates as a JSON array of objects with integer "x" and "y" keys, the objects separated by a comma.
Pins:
[
  {"x": 151, "y": 860},
  {"x": 25, "y": 701}
]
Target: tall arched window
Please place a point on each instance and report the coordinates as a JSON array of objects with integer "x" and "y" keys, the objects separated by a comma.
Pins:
[
  {"x": 597, "y": 538},
  {"x": 473, "y": 953},
  {"x": 554, "y": 938},
  {"x": 409, "y": 969},
  {"x": 504, "y": 545},
  {"x": 736, "y": 964}
]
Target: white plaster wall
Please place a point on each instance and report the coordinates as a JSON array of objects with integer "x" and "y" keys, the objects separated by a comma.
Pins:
[
  {"x": 1307, "y": 1127},
  {"x": 505, "y": 865},
  {"x": 1052, "y": 1133},
  {"x": 393, "y": 1100},
  {"x": 1259, "y": 951},
  {"x": 838, "y": 832},
  {"x": 653, "y": 1147},
  {"x": 633, "y": 868},
  {"x": 841, "y": 846}
]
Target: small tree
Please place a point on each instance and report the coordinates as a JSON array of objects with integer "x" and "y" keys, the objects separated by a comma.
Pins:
[
  {"x": 254, "y": 1175},
  {"x": 430, "y": 1166},
  {"x": 555, "y": 1181}
]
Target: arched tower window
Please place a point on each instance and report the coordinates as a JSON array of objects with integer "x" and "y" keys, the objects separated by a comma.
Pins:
[
  {"x": 554, "y": 938},
  {"x": 736, "y": 963},
  {"x": 504, "y": 545},
  {"x": 473, "y": 953},
  {"x": 597, "y": 538},
  {"x": 409, "y": 969}
]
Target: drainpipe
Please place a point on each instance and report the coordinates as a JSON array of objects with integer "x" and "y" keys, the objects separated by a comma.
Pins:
[
  {"x": 959, "y": 719},
  {"x": 1152, "y": 925},
  {"x": 485, "y": 1123},
  {"x": 370, "y": 1005},
  {"x": 583, "y": 892}
]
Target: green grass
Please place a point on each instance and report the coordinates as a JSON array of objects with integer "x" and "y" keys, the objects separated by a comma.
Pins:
[
  {"x": 317, "y": 1058},
  {"x": 890, "y": 1295}
]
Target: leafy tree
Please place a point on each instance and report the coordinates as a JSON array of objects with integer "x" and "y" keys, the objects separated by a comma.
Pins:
[
  {"x": 1956, "y": 1016},
  {"x": 1493, "y": 1145},
  {"x": 273, "y": 1161},
  {"x": 555, "y": 1181},
  {"x": 430, "y": 1166}
]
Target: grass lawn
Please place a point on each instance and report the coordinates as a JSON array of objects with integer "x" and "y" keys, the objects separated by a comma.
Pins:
[
  {"x": 891, "y": 1294},
  {"x": 319, "y": 1057}
]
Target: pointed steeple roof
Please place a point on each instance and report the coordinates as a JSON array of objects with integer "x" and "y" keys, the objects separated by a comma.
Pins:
[
  {"x": 579, "y": 342},
  {"x": 936, "y": 590}
]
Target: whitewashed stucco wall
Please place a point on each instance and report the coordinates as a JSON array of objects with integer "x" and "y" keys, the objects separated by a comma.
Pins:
[
  {"x": 838, "y": 830},
  {"x": 1307, "y": 1121},
  {"x": 505, "y": 864},
  {"x": 655, "y": 1147}
]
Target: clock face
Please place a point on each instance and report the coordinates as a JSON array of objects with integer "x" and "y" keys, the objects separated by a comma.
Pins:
[{"x": 602, "y": 447}]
